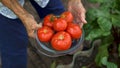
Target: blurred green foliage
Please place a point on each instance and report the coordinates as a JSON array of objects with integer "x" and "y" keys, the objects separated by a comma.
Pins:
[{"x": 103, "y": 23}]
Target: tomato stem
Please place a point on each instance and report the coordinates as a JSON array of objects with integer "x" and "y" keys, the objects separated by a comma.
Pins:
[
  {"x": 52, "y": 18},
  {"x": 61, "y": 37},
  {"x": 62, "y": 16},
  {"x": 45, "y": 31}
]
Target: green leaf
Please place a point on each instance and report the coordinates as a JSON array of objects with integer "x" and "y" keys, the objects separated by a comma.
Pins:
[
  {"x": 53, "y": 65},
  {"x": 91, "y": 14},
  {"x": 107, "y": 6},
  {"x": 119, "y": 49},
  {"x": 106, "y": 33},
  {"x": 97, "y": 1},
  {"x": 115, "y": 20},
  {"x": 111, "y": 65},
  {"x": 107, "y": 40},
  {"x": 90, "y": 26},
  {"x": 103, "y": 12},
  {"x": 84, "y": 67},
  {"x": 102, "y": 52},
  {"x": 104, "y": 60},
  {"x": 95, "y": 33},
  {"x": 104, "y": 24},
  {"x": 118, "y": 4}
]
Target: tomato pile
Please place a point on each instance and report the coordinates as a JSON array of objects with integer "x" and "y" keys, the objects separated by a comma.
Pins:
[{"x": 59, "y": 31}]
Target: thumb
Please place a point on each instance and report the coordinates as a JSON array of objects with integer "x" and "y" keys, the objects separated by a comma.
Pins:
[
  {"x": 39, "y": 25},
  {"x": 36, "y": 26}
]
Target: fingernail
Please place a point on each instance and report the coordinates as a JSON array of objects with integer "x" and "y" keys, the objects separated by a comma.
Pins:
[{"x": 84, "y": 21}]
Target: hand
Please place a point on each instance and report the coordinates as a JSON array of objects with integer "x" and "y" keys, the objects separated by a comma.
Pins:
[
  {"x": 78, "y": 11},
  {"x": 31, "y": 26},
  {"x": 26, "y": 18}
]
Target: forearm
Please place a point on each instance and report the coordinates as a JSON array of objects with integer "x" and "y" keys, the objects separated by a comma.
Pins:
[
  {"x": 17, "y": 9},
  {"x": 26, "y": 18}
]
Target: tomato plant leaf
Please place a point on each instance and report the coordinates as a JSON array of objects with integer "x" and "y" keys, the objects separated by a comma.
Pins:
[
  {"x": 111, "y": 65},
  {"x": 104, "y": 60},
  {"x": 104, "y": 24},
  {"x": 102, "y": 18},
  {"x": 102, "y": 13},
  {"x": 84, "y": 67},
  {"x": 102, "y": 52},
  {"x": 97, "y": 1},
  {"x": 91, "y": 14},
  {"x": 106, "y": 33},
  {"x": 53, "y": 65},
  {"x": 119, "y": 49},
  {"x": 117, "y": 4},
  {"x": 95, "y": 33},
  {"x": 107, "y": 40},
  {"x": 115, "y": 20}
]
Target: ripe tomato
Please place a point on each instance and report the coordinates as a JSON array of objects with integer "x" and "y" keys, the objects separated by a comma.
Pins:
[
  {"x": 67, "y": 16},
  {"x": 60, "y": 24},
  {"x": 61, "y": 41},
  {"x": 49, "y": 19},
  {"x": 74, "y": 30},
  {"x": 45, "y": 34}
]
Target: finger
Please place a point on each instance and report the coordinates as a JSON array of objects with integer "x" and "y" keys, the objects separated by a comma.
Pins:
[
  {"x": 78, "y": 20},
  {"x": 80, "y": 14},
  {"x": 36, "y": 26},
  {"x": 82, "y": 17},
  {"x": 81, "y": 25},
  {"x": 34, "y": 35},
  {"x": 39, "y": 25},
  {"x": 31, "y": 34},
  {"x": 69, "y": 7}
]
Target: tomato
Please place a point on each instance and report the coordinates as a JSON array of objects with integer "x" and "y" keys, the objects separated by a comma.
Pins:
[
  {"x": 60, "y": 24},
  {"x": 74, "y": 30},
  {"x": 61, "y": 41},
  {"x": 45, "y": 34},
  {"x": 67, "y": 16},
  {"x": 49, "y": 19}
]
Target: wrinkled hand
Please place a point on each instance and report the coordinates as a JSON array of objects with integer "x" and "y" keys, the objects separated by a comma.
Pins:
[
  {"x": 31, "y": 26},
  {"x": 78, "y": 11}
]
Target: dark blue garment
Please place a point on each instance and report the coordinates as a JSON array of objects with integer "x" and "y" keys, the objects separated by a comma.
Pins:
[
  {"x": 53, "y": 7},
  {"x": 14, "y": 39},
  {"x": 13, "y": 43}
]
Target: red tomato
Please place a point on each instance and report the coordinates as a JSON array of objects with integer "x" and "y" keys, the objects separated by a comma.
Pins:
[
  {"x": 49, "y": 19},
  {"x": 61, "y": 41},
  {"x": 67, "y": 16},
  {"x": 45, "y": 34},
  {"x": 60, "y": 24},
  {"x": 74, "y": 30}
]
